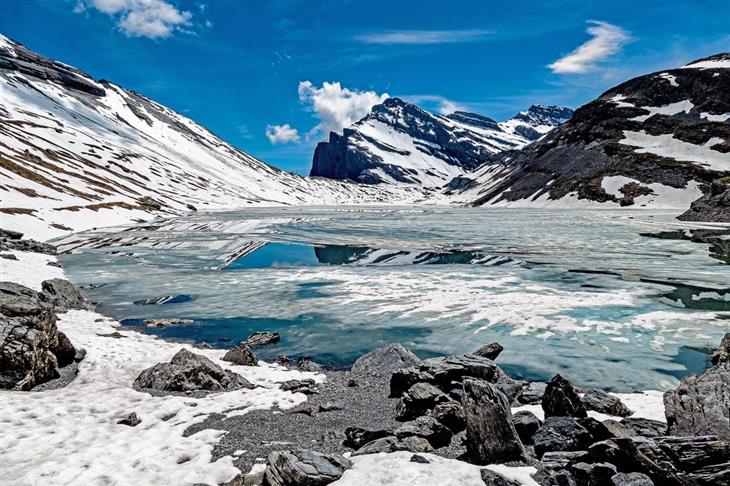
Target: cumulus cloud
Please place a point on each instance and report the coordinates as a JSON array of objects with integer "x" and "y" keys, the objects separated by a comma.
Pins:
[
  {"x": 282, "y": 134},
  {"x": 607, "y": 39},
  {"x": 154, "y": 19},
  {"x": 423, "y": 36},
  {"x": 337, "y": 107}
]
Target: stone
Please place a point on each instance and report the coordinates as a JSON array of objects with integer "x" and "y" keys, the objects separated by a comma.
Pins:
[
  {"x": 62, "y": 295},
  {"x": 557, "y": 460},
  {"x": 491, "y": 437},
  {"x": 526, "y": 424},
  {"x": 451, "y": 414},
  {"x": 306, "y": 386},
  {"x": 64, "y": 350},
  {"x": 241, "y": 355},
  {"x": 597, "y": 430},
  {"x": 603, "y": 402},
  {"x": 561, "y": 400},
  {"x": 532, "y": 393},
  {"x": 492, "y": 478},
  {"x": 419, "y": 399},
  {"x": 419, "y": 459},
  {"x": 385, "y": 360},
  {"x": 548, "y": 477},
  {"x": 10, "y": 234},
  {"x": 692, "y": 453},
  {"x": 437, "y": 434},
  {"x": 722, "y": 354},
  {"x": 596, "y": 474},
  {"x": 560, "y": 434},
  {"x": 8, "y": 256},
  {"x": 306, "y": 364},
  {"x": 701, "y": 404},
  {"x": 356, "y": 437},
  {"x": 490, "y": 351},
  {"x": 329, "y": 407},
  {"x": 304, "y": 468},
  {"x": 393, "y": 444},
  {"x": 631, "y": 479},
  {"x": 163, "y": 323},
  {"x": 188, "y": 371},
  {"x": 631, "y": 426},
  {"x": 130, "y": 420},
  {"x": 639, "y": 454},
  {"x": 262, "y": 338}
]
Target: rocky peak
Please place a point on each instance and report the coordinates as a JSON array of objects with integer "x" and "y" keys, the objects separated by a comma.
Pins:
[
  {"x": 474, "y": 120},
  {"x": 537, "y": 120}
]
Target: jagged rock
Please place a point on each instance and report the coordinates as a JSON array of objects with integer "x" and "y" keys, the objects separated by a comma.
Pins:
[
  {"x": 383, "y": 361},
  {"x": 511, "y": 389},
  {"x": 596, "y": 474},
  {"x": 306, "y": 386},
  {"x": 304, "y": 468},
  {"x": 190, "y": 372},
  {"x": 603, "y": 402},
  {"x": 490, "y": 351},
  {"x": 32, "y": 246},
  {"x": 532, "y": 393},
  {"x": 526, "y": 424},
  {"x": 701, "y": 404},
  {"x": 639, "y": 454},
  {"x": 62, "y": 295},
  {"x": 356, "y": 437},
  {"x": 451, "y": 414},
  {"x": 722, "y": 353},
  {"x": 561, "y": 400},
  {"x": 560, "y": 434},
  {"x": 492, "y": 478},
  {"x": 419, "y": 399},
  {"x": 262, "y": 338},
  {"x": 419, "y": 459},
  {"x": 557, "y": 460},
  {"x": 131, "y": 420},
  {"x": 631, "y": 479},
  {"x": 241, "y": 355},
  {"x": 491, "y": 437},
  {"x": 437, "y": 434},
  {"x": 393, "y": 444}
]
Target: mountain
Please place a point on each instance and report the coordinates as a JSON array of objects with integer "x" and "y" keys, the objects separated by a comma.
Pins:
[
  {"x": 661, "y": 139},
  {"x": 76, "y": 153},
  {"x": 398, "y": 142}
]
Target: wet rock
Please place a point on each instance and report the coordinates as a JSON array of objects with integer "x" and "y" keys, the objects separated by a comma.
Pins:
[
  {"x": 532, "y": 393},
  {"x": 701, "y": 404},
  {"x": 631, "y": 479},
  {"x": 451, "y": 414},
  {"x": 596, "y": 474},
  {"x": 490, "y": 351},
  {"x": 561, "y": 400},
  {"x": 262, "y": 338},
  {"x": 603, "y": 402},
  {"x": 383, "y": 361},
  {"x": 526, "y": 424},
  {"x": 62, "y": 295},
  {"x": 722, "y": 354},
  {"x": 307, "y": 386},
  {"x": 560, "y": 434},
  {"x": 356, "y": 437},
  {"x": 419, "y": 399},
  {"x": 563, "y": 459},
  {"x": 437, "y": 434},
  {"x": 241, "y": 355},
  {"x": 419, "y": 459},
  {"x": 190, "y": 372},
  {"x": 304, "y": 467},
  {"x": 130, "y": 420},
  {"x": 490, "y": 434},
  {"x": 492, "y": 478}
]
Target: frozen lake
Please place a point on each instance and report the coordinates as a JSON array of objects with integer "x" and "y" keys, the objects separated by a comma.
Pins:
[{"x": 609, "y": 298}]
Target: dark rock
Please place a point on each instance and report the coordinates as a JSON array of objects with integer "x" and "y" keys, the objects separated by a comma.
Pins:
[
  {"x": 54, "y": 264},
  {"x": 490, "y": 351},
  {"x": 304, "y": 468},
  {"x": 692, "y": 453},
  {"x": 356, "y": 437},
  {"x": 639, "y": 454},
  {"x": 603, "y": 402},
  {"x": 419, "y": 399},
  {"x": 511, "y": 389},
  {"x": 714, "y": 205},
  {"x": 306, "y": 386},
  {"x": 597, "y": 429},
  {"x": 383, "y": 361},
  {"x": 532, "y": 393},
  {"x": 451, "y": 414},
  {"x": 241, "y": 355},
  {"x": 596, "y": 474},
  {"x": 10, "y": 234},
  {"x": 131, "y": 420},
  {"x": 631, "y": 426},
  {"x": 548, "y": 477},
  {"x": 191, "y": 208},
  {"x": 393, "y": 444},
  {"x": 419, "y": 459},
  {"x": 437, "y": 434},
  {"x": 490, "y": 434},
  {"x": 8, "y": 256},
  {"x": 163, "y": 323},
  {"x": 560, "y": 434},
  {"x": 701, "y": 404},
  {"x": 492, "y": 478},
  {"x": 631, "y": 479},
  {"x": 262, "y": 339},
  {"x": 722, "y": 354},
  {"x": 62, "y": 295},
  {"x": 562, "y": 459},
  {"x": 561, "y": 400},
  {"x": 402, "y": 380},
  {"x": 189, "y": 372},
  {"x": 352, "y": 383},
  {"x": 79, "y": 355},
  {"x": 526, "y": 424},
  {"x": 329, "y": 407},
  {"x": 29, "y": 246},
  {"x": 64, "y": 350}
]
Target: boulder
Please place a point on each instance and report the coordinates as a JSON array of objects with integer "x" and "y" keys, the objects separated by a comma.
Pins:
[
  {"x": 304, "y": 468},
  {"x": 639, "y": 454},
  {"x": 130, "y": 420},
  {"x": 306, "y": 364},
  {"x": 631, "y": 479},
  {"x": 692, "y": 453},
  {"x": 451, "y": 414},
  {"x": 722, "y": 354},
  {"x": 490, "y": 434},
  {"x": 492, "y": 478},
  {"x": 64, "y": 350},
  {"x": 383, "y": 361},
  {"x": 603, "y": 402},
  {"x": 563, "y": 459},
  {"x": 356, "y": 437},
  {"x": 526, "y": 424},
  {"x": 393, "y": 444},
  {"x": 631, "y": 426},
  {"x": 596, "y": 474},
  {"x": 241, "y": 355},
  {"x": 10, "y": 234},
  {"x": 262, "y": 338},
  {"x": 548, "y": 477},
  {"x": 532, "y": 393},
  {"x": 62, "y": 295},
  {"x": 597, "y": 429},
  {"x": 561, "y": 434},
  {"x": 701, "y": 404},
  {"x": 188, "y": 371},
  {"x": 561, "y": 400},
  {"x": 419, "y": 459},
  {"x": 436, "y": 433},
  {"x": 307, "y": 386},
  {"x": 418, "y": 400},
  {"x": 490, "y": 351}
]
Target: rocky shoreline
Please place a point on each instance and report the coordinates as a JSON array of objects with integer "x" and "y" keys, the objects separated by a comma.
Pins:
[{"x": 392, "y": 406}]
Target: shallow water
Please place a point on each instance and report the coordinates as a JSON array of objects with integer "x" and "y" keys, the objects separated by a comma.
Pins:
[{"x": 579, "y": 292}]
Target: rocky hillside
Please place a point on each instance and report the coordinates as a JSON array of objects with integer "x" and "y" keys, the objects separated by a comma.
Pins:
[
  {"x": 77, "y": 153},
  {"x": 399, "y": 142},
  {"x": 659, "y": 139}
]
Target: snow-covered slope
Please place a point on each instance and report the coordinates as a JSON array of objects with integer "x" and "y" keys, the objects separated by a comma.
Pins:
[
  {"x": 76, "y": 153},
  {"x": 658, "y": 140},
  {"x": 399, "y": 142}
]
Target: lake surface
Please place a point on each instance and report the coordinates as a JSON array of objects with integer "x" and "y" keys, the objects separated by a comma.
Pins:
[{"x": 582, "y": 292}]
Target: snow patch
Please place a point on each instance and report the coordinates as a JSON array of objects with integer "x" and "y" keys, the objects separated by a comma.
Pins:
[{"x": 667, "y": 146}]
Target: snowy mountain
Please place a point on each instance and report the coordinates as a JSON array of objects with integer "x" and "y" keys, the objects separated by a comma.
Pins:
[
  {"x": 398, "y": 142},
  {"x": 76, "y": 153},
  {"x": 659, "y": 140}
]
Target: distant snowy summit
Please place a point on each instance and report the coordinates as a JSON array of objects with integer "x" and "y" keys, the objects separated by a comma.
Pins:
[{"x": 398, "y": 142}]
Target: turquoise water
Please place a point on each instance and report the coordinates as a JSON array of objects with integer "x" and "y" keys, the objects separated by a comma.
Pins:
[{"x": 576, "y": 292}]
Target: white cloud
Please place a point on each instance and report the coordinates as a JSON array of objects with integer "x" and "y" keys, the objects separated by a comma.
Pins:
[
  {"x": 607, "y": 39},
  {"x": 335, "y": 106},
  {"x": 141, "y": 18},
  {"x": 282, "y": 134},
  {"x": 423, "y": 36}
]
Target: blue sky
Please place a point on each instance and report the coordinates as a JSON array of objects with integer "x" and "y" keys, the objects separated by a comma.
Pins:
[{"x": 241, "y": 67}]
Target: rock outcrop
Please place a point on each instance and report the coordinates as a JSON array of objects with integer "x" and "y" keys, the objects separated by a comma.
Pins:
[{"x": 560, "y": 399}]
